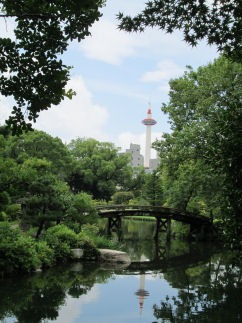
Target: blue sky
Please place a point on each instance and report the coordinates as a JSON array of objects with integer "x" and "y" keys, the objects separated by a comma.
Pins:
[{"x": 115, "y": 75}]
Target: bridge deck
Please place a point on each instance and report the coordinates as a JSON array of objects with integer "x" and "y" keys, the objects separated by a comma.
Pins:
[{"x": 152, "y": 211}]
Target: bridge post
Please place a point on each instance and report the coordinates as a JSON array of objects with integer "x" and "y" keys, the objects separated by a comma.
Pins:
[
  {"x": 162, "y": 251},
  {"x": 168, "y": 232},
  {"x": 114, "y": 223},
  {"x": 163, "y": 225}
]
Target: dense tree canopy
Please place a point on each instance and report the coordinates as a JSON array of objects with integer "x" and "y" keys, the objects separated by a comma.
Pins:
[
  {"x": 201, "y": 158},
  {"x": 99, "y": 168},
  {"x": 31, "y": 69},
  {"x": 217, "y": 21},
  {"x": 40, "y": 145}
]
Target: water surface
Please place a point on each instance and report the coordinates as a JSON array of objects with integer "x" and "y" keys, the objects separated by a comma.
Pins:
[{"x": 174, "y": 282}]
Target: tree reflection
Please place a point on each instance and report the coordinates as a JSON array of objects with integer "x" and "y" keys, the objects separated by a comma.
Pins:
[
  {"x": 39, "y": 297},
  {"x": 209, "y": 292}
]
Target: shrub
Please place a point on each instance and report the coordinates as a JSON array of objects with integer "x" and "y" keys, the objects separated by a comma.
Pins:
[
  {"x": 82, "y": 209},
  {"x": 87, "y": 244},
  {"x": 61, "y": 239},
  {"x": 4, "y": 200},
  {"x": 45, "y": 253},
  {"x": 18, "y": 252},
  {"x": 63, "y": 234},
  {"x": 3, "y": 216},
  {"x": 13, "y": 211},
  {"x": 90, "y": 230},
  {"x": 104, "y": 243}
]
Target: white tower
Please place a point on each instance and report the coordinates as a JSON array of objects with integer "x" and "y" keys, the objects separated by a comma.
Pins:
[{"x": 148, "y": 122}]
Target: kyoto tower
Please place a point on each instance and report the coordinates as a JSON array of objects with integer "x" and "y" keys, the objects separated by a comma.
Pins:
[{"x": 148, "y": 122}]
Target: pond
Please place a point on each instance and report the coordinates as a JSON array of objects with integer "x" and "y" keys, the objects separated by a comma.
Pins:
[{"x": 175, "y": 282}]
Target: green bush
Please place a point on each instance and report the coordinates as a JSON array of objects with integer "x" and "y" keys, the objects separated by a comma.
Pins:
[
  {"x": 18, "y": 252},
  {"x": 4, "y": 200},
  {"x": 13, "y": 211},
  {"x": 87, "y": 244},
  {"x": 64, "y": 234},
  {"x": 90, "y": 229},
  {"x": 104, "y": 243},
  {"x": 61, "y": 239},
  {"x": 3, "y": 216},
  {"x": 45, "y": 253}
]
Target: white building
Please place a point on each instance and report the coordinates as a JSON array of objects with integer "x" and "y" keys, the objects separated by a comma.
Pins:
[{"x": 138, "y": 160}]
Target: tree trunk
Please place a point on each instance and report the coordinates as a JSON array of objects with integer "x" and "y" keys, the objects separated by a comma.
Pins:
[{"x": 40, "y": 228}]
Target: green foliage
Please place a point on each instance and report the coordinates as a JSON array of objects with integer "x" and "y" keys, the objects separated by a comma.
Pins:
[
  {"x": 31, "y": 68},
  {"x": 200, "y": 159},
  {"x": 87, "y": 244},
  {"x": 45, "y": 253},
  {"x": 98, "y": 168},
  {"x": 46, "y": 201},
  {"x": 122, "y": 197},
  {"x": 135, "y": 185},
  {"x": 80, "y": 210},
  {"x": 180, "y": 230},
  {"x": 38, "y": 145},
  {"x": 13, "y": 211},
  {"x": 152, "y": 189},
  {"x": 61, "y": 239},
  {"x": 4, "y": 200},
  {"x": 3, "y": 216},
  {"x": 18, "y": 252},
  {"x": 218, "y": 21},
  {"x": 63, "y": 234},
  {"x": 90, "y": 230}
]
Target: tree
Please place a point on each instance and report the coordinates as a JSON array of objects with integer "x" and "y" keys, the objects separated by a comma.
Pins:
[
  {"x": 122, "y": 197},
  {"x": 38, "y": 144},
  {"x": 219, "y": 22},
  {"x": 46, "y": 192},
  {"x": 80, "y": 210},
  {"x": 136, "y": 184},
  {"x": 32, "y": 71},
  {"x": 205, "y": 113},
  {"x": 152, "y": 189},
  {"x": 99, "y": 168}
]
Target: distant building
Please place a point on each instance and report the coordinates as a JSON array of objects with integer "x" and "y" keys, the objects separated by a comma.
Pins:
[
  {"x": 136, "y": 158},
  {"x": 154, "y": 163}
]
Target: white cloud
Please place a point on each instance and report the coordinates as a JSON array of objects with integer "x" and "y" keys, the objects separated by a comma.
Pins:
[
  {"x": 5, "y": 109},
  {"x": 73, "y": 306},
  {"x": 125, "y": 138},
  {"x": 7, "y": 28},
  {"x": 117, "y": 88},
  {"x": 166, "y": 70},
  {"x": 108, "y": 43},
  {"x": 78, "y": 117},
  {"x": 164, "y": 88}
]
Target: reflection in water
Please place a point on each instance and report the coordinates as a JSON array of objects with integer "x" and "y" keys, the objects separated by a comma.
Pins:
[
  {"x": 194, "y": 284},
  {"x": 141, "y": 292}
]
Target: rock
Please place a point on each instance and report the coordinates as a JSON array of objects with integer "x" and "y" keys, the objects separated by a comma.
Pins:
[
  {"x": 77, "y": 253},
  {"x": 107, "y": 255},
  {"x": 38, "y": 270}
]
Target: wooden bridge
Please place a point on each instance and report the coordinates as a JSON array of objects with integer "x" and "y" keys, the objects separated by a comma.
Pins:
[{"x": 163, "y": 215}]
